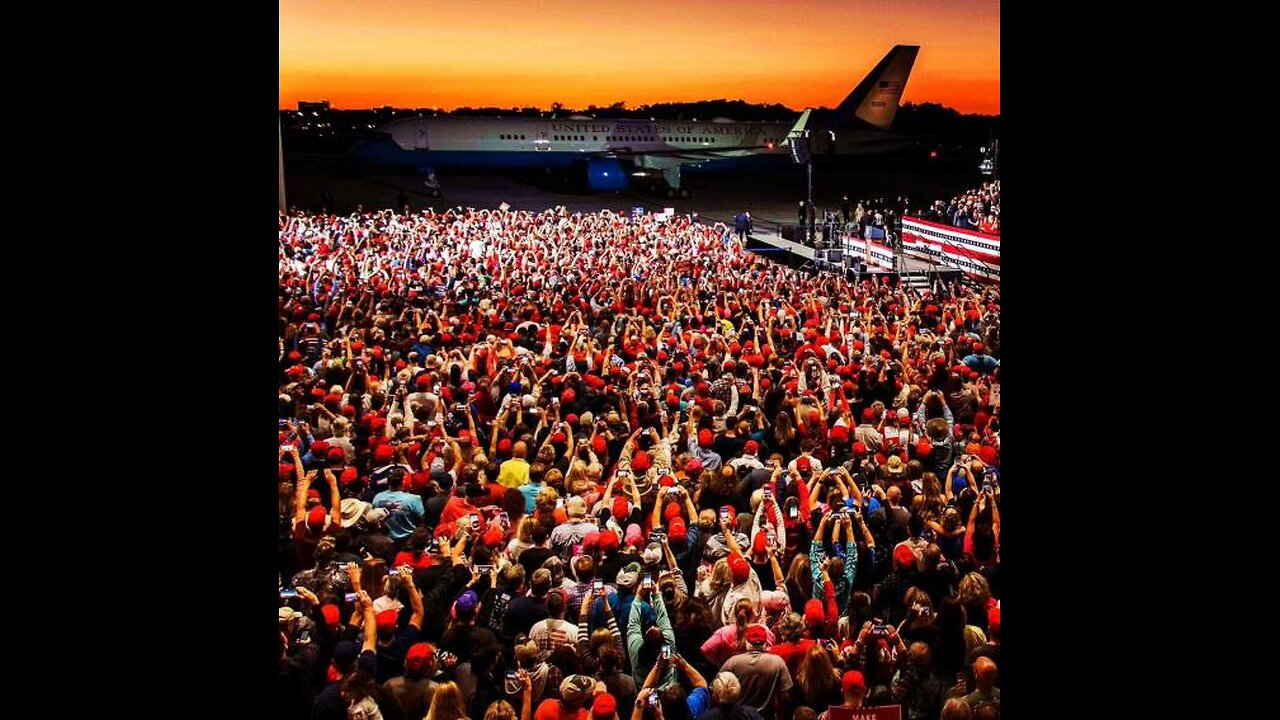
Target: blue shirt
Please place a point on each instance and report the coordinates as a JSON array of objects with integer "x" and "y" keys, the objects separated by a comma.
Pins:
[
  {"x": 423, "y": 351},
  {"x": 530, "y": 492},
  {"x": 404, "y": 510},
  {"x": 699, "y": 701},
  {"x": 981, "y": 363}
]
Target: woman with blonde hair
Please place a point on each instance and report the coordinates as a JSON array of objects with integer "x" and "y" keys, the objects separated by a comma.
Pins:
[
  {"x": 544, "y": 505},
  {"x": 817, "y": 680},
  {"x": 578, "y": 481},
  {"x": 935, "y": 501},
  {"x": 974, "y": 638},
  {"x": 448, "y": 703},
  {"x": 792, "y": 644},
  {"x": 500, "y": 710},
  {"x": 975, "y": 595},
  {"x": 715, "y": 586},
  {"x": 731, "y": 639},
  {"x": 480, "y": 462}
]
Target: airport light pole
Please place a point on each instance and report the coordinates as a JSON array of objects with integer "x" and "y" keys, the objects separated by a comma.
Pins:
[{"x": 811, "y": 213}]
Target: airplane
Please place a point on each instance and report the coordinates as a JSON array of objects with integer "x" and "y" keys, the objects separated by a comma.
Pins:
[{"x": 605, "y": 154}]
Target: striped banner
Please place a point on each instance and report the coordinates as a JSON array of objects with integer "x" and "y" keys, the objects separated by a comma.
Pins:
[
  {"x": 872, "y": 253},
  {"x": 977, "y": 254}
]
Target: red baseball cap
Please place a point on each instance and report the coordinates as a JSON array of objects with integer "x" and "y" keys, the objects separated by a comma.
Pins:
[
  {"x": 740, "y": 568},
  {"x": 677, "y": 529},
  {"x": 418, "y": 656},
  {"x": 332, "y": 616},
  {"x": 903, "y": 557},
  {"x": 315, "y": 518},
  {"x": 387, "y": 620},
  {"x": 605, "y": 707},
  {"x": 641, "y": 462},
  {"x": 853, "y": 681},
  {"x": 814, "y": 615}
]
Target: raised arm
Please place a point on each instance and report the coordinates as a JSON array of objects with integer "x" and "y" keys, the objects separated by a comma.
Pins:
[
  {"x": 300, "y": 495},
  {"x": 335, "y": 498},
  {"x": 370, "y": 624},
  {"x": 695, "y": 678},
  {"x": 729, "y": 539},
  {"x": 655, "y": 518},
  {"x": 415, "y": 598}
]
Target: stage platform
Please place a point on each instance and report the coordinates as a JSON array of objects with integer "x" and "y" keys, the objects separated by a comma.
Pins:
[{"x": 808, "y": 257}]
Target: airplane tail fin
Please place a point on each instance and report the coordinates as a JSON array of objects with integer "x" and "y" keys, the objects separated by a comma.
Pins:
[{"x": 875, "y": 99}]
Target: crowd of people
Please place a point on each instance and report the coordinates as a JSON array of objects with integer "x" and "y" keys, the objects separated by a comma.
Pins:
[
  {"x": 553, "y": 466},
  {"x": 977, "y": 209}
]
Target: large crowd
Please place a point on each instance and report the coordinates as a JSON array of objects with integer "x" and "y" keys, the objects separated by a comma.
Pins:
[
  {"x": 977, "y": 209},
  {"x": 587, "y": 466}
]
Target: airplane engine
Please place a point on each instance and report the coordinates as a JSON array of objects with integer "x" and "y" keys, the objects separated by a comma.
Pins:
[{"x": 606, "y": 176}]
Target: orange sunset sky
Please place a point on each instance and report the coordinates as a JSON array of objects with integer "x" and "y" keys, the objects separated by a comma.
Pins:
[{"x": 508, "y": 53}]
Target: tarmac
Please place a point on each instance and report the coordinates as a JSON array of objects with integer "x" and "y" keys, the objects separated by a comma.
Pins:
[{"x": 771, "y": 198}]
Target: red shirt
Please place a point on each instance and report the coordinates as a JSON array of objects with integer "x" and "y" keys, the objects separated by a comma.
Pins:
[
  {"x": 792, "y": 653},
  {"x": 454, "y": 509}
]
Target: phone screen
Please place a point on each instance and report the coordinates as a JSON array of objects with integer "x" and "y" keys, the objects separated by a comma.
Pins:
[
  {"x": 793, "y": 511},
  {"x": 288, "y": 593}
]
